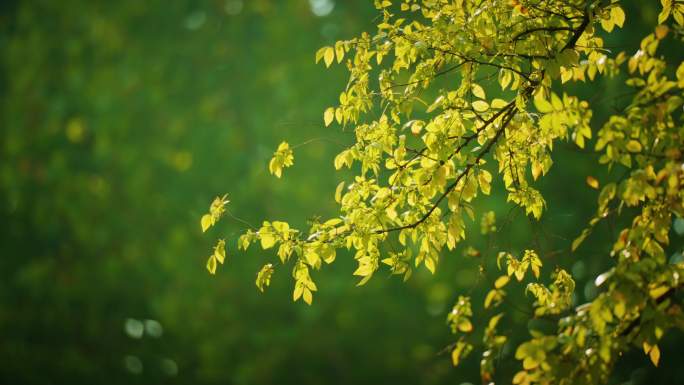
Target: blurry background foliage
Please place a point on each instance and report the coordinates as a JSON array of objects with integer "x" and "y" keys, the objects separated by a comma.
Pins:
[{"x": 116, "y": 120}]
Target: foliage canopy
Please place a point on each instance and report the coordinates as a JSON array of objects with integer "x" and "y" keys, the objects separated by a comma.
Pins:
[{"x": 451, "y": 99}]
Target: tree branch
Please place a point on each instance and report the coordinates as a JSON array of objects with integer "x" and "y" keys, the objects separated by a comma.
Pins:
[{"x": 453, "y": 185}]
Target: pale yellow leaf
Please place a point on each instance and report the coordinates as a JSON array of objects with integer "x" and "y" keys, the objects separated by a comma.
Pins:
[
  {"x": 206, "y": 222},
  {"x": 328, "y": 116}
]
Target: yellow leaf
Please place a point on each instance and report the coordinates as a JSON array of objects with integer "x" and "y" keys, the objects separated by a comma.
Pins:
[
  {"x": 329, "y": 56},
  {"x": 435, "y": 104},
  {"x": 339, "y": 51},
  {"x": 617, "y": 15},
  {"x": 484, "y": 178},
  {"x": 206, "y": 222},
  {"x": 417, "y": 127},
  {"x": 267, "y": 240},
  {"x": 282, "y": 158},
  {"x": 478, "y": 91},
  {"x": 211, "y": 265},
  {"x": 274, "y": 168},
  {"x": 680, "y": 75},
  {"x": 556, "y": 102},
  {"x": 328, "y": 116},
  {"x": 480, "y": 105},
  {"x": 339, "y": 115},
  {"x": 491, "y": 296},
  {"x": 661, "y": 31},
  {"x": 220, "y": 251},
  {"x": 501, "y": 282},
  {"x": 465, "y": 325},
  {"x": 592, "y": 182},
  {"x": 535, "y": 270},
  {"x": 264, "y": 276},
  {"x": 455, "y": 356},
  {"x": 607, "y": 24},
  {"x": 430, "y": 264},
  {"x": 499, "y": 103},
  {"x": 299, "y": 288},
  {"x": 664, "y": 14},
  {"x": 657, "y": 292},
  {"x": 542, "y": 104},
  {"x": 633, "y": 146},
  {"x": 654, "y": 354},
  {"x": 320, "y": 53},
  {"x": 537, "y": 169},
  {"x": 578, "y": 241},
  {"x": 519, "y": 274},
  {"x": 520, "y": 377},
  {"x": 306, "y": 294},
  {"x": 338, "y": 192}
]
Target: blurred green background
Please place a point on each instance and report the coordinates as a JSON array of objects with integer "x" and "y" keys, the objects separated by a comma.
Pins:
[{"x": 121, "y": 120}]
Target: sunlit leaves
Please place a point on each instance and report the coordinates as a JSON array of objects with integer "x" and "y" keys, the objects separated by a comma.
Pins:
[
  {"x": 460, "y": 351},
  {"x": 327, "y": 54},
  {"x": 533, "y": 353},
  {"x": 216, "y": 210},
  {"x": 220, "y": 251},
  {"x": 555, "y": 298},
  {"x": 459, "y": 317},
  {"x": 264, "y": 275},
  {"x": 304, "y": 286},
  {"x": 612, "y": 16},
  {"x": 674, "y": 8},
  {"x": 653, "y": 352},
  {"x": 399, "y": 263},
  {"x": 282, "y": 158},
  {"x": 518, "y": 267},
  {"x": 496, "y": 296},
  {"x": 218, "y": 257},
  {"x": 530, "y": 199},
  {"x": 423, "y": 152},
  {"x": 484, "y": 179}
]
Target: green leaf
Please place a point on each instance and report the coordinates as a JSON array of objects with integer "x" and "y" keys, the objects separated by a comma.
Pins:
[{"x": 678, "y": 226}]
